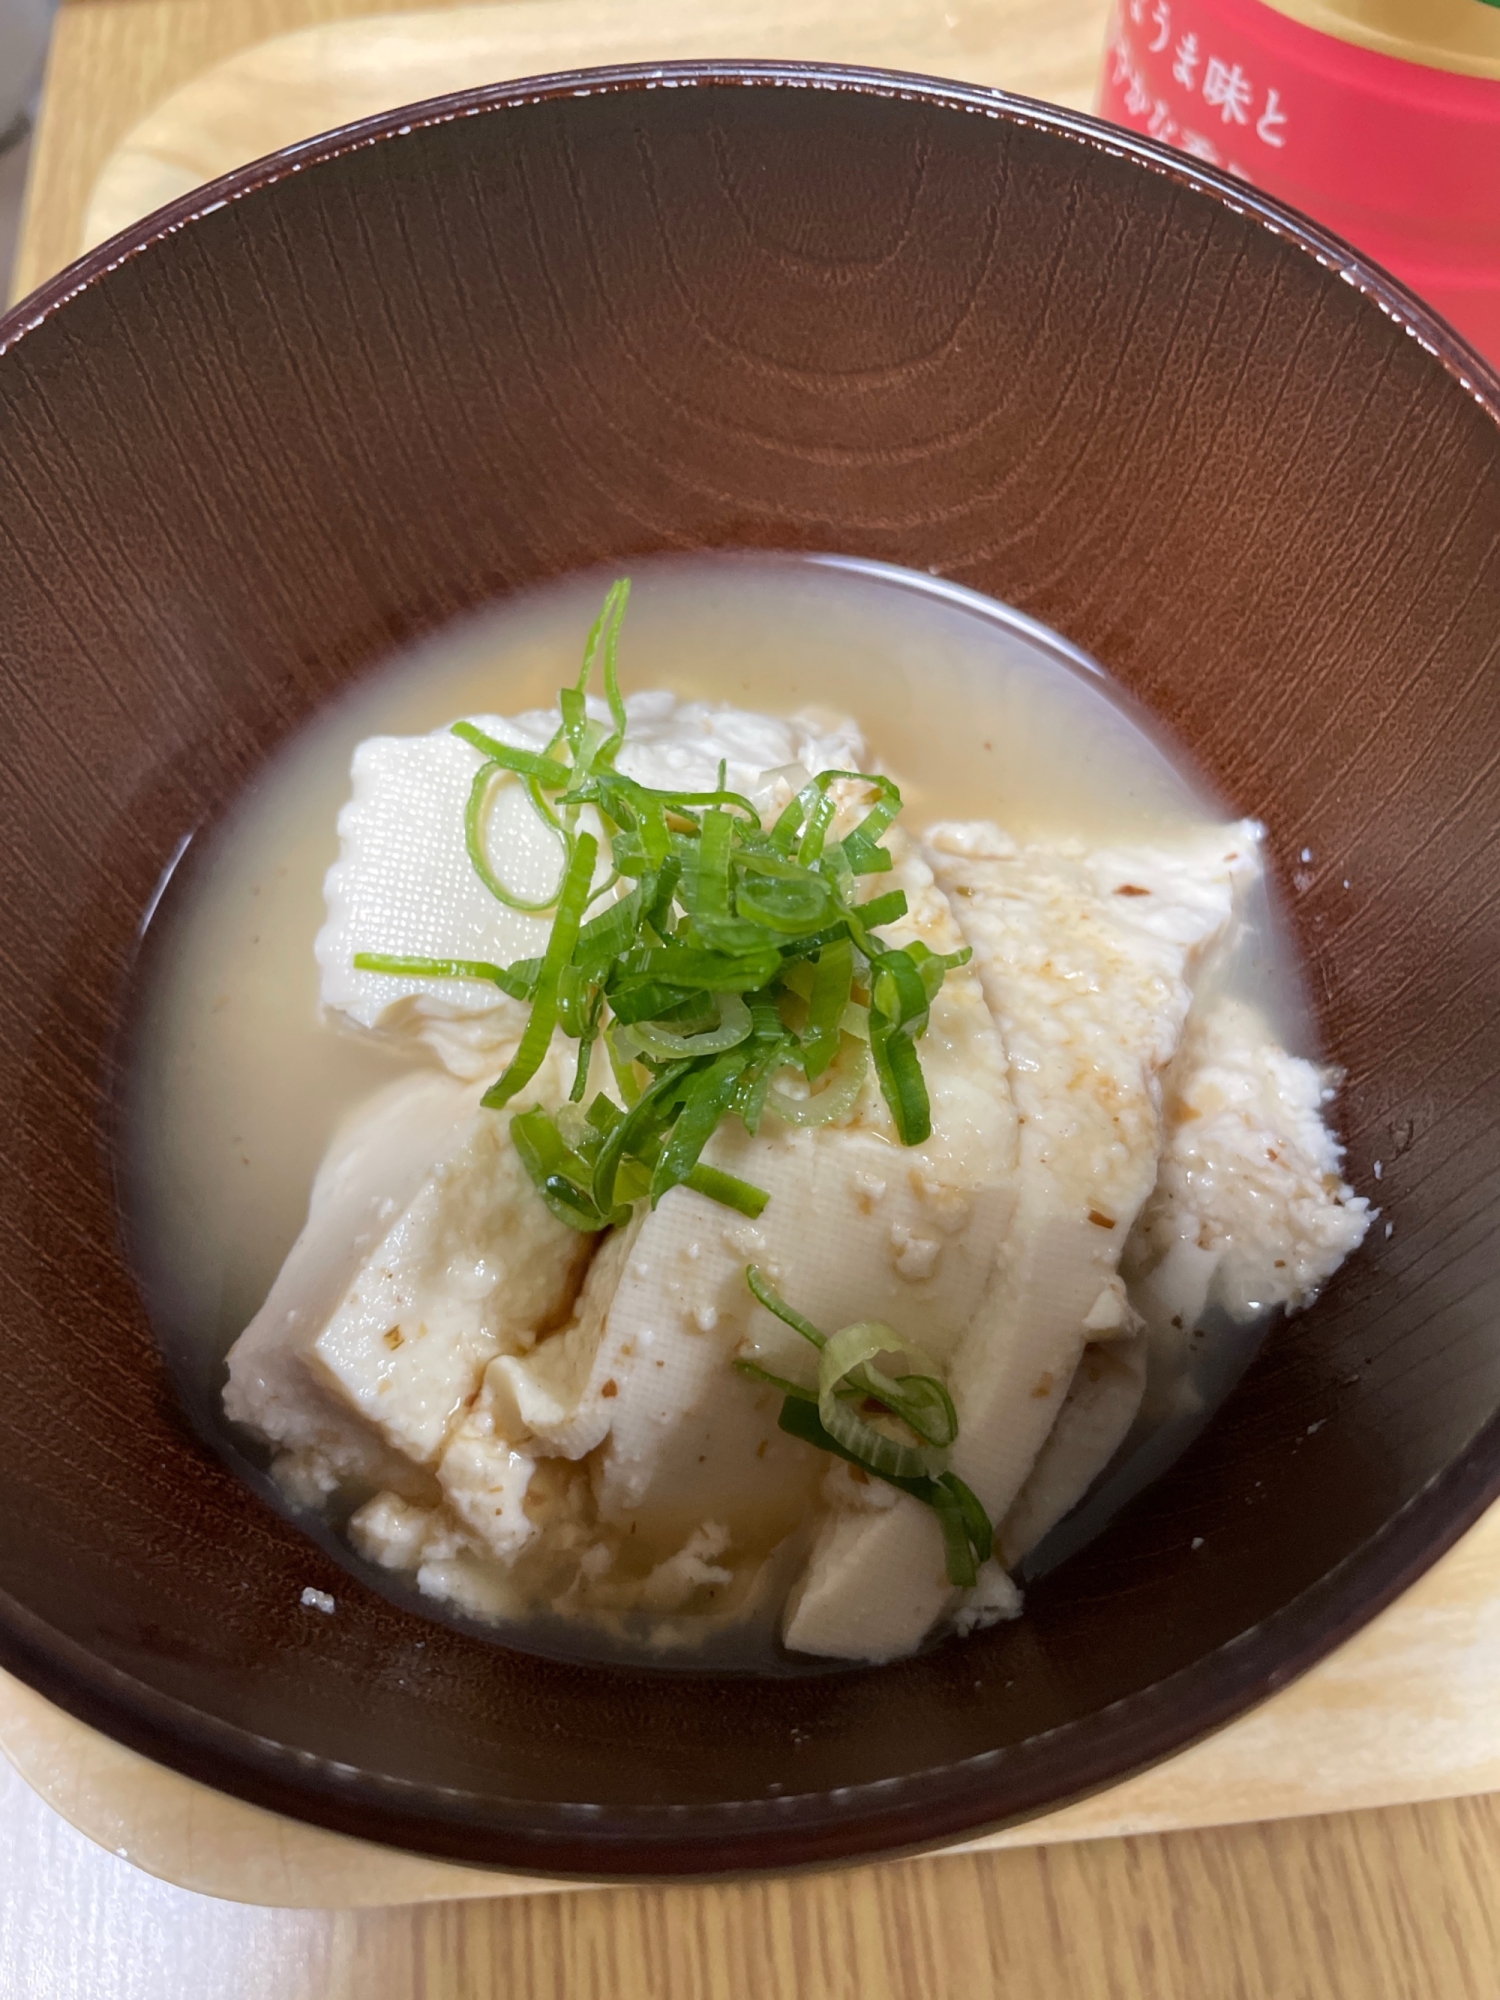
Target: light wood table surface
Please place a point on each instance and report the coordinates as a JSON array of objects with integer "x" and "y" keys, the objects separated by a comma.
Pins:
[{"x": 1401, "y": 1903}]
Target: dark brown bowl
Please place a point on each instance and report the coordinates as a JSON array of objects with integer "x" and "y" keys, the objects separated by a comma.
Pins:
[{"x": 342, "y": 395}]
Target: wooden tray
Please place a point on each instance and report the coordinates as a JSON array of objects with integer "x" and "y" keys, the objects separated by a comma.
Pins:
[
  {"x": 288, "y": 88},
  {"x": 1407, "y": 1710}
]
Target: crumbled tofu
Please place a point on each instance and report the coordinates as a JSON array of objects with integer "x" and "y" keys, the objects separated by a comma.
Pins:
[
  {"x": 1251, "y": 1209},
  {"x": 693, "y": 1568},
  {"x": 1112, "y": 1316},
  {"x": 993, "y": 1599},
  {"x": 391, "y": 1531},
  {"x": 485, "y": 1483}
]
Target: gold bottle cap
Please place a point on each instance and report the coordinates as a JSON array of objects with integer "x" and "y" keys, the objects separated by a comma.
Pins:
[{"x": 1460, "y": 35}]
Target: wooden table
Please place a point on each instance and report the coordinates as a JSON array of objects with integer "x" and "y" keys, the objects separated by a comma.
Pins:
[{"x": 1397, "y": 1904}]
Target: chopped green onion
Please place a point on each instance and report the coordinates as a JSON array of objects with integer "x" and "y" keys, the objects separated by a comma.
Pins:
[
  {"x": 707, "y": 884},
  {"x": 732, "y": 1028},
  {"x": 728, "y": 1190},
  {"x": 755, "y": 1085},
  {"x": 846, "y": 1357},
  {"x": 954, "y": 1504},
  {"x": 535, "y": 1042},
  {"x": 641, "y": 1125},
  {"x": 921, "y": 1401},
  {"x": 531, "y": 763},
  {"x": 897, "y": 988},
  {"x": 802, "y": 904},
  {"x": 518, "y": 980},
  {"x": 703, "y": 971},
  {"x": 612, "y": 617},
  {"x": 828, "y": 1421},
  {"x": 902, "y": 1083},
  {"x": 834, "y": 1101},
  {"x": 833, "y": 979},
  {"x": 958, "y": 1549},
  {"x": 603, "y": 938},
  {"x": 773, "y": 1302},
  {"x": 720, "y": 980},
  {"x": 753, "y": 1372},
  {"x": 586, "y": 1043},
  {"x": 706, "y": 1099},
  {"x": 475, "y": 816},
  {"x": 976, "y": 1522},
  {"x": 815, "y": 831},
  {"x": 886, "y": 909},
  {"x": 556, "y": 1170}
]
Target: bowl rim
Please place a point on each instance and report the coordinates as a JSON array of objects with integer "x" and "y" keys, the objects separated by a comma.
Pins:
[{"x": 917, "y": 1811}]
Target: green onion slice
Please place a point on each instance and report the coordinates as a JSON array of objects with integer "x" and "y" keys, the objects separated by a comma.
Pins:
[
  {"x": 753, "y": 1372},
  {"x": 902, "y": 1083},
  {"x": 832, "y": 982},
  {"x": 771, "y": 1299},
  {"x": 535, "y": 1042},
  {"x": 728, "y": 1190},
  {"x": 846, "y": 1356},
  {"x": 835, "y": 1100},
  {"x": 828, "y": 1419},
  {"x": 518, "y": 980},
  {"x": 651, "y": 1038},
  {"x": 476, "y": 814},
  {"x": 958, "y": 1508}
]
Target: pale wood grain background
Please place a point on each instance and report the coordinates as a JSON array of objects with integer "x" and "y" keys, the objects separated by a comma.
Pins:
[
  {"x": 1401, "y": 1902},
  {"x": 1393, "y": 1905}
]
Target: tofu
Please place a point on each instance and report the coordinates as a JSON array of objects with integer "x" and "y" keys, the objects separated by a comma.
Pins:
[
  {"x": 1103, "y": 1400},
  {"x": 532, "y": 1416},
  {"x": 1251, "y": 1177},
  {"x": 1251, "y": 1210},
  {"x": 403, "y": 883},
  {"x": 857, "y": 1227},
  {"x": 996, "y": 1245},
  {"x": 843, "y": 1605},
  {"x": 425, "y": 1253},
  {"x": 1086, "y": 961},
  {"x": 531, "y": 1407},
  {"x": 873, "y": 1578}
]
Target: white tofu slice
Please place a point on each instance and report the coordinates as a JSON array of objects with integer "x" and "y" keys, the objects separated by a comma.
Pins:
[
  {"x": 403, "y": 883},
  {"x": 425, "y": 1252},
  {"x": 857, "y": 1227},
  {"x": 844, "y": 1606},
  {"x": 370, "y": 1172},
  {"x": 1101, "y": 1405},
  {"x": 873, "y": 1577},
  {"x": 1086, "y": 961}
]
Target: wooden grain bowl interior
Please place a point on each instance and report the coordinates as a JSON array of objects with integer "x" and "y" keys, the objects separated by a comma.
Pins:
[{"x": 271, "y": 434}]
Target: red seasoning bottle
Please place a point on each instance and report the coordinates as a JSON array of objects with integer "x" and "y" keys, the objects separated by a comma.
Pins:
[{"x": 1380, "y": 118}]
